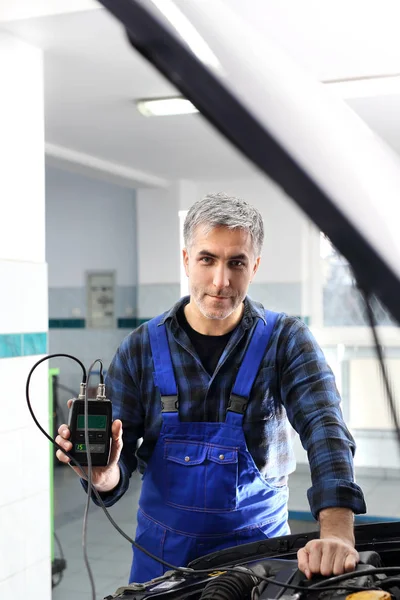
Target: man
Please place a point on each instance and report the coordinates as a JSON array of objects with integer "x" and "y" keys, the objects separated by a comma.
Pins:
[{"x": 211, "y": 387}]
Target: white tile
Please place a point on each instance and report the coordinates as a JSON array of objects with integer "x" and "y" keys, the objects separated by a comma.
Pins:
[
  {"x": 22, "y": 181},
  {"x": 12, "y": 540},
  {"x": 12, "y": 469},
  {"x": 36, "y": 454},
  {"x": 13, "y": 587},
  {"x": 38, "y": 581},
  {"x": 36, "y": 526},
  {"x": 24, "y": 308},
  {"x": 13, "y": 375},
  {"x": 38, "y": 391}
]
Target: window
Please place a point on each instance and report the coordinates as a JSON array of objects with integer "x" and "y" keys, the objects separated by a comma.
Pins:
[{"x": 343, "y": 304}]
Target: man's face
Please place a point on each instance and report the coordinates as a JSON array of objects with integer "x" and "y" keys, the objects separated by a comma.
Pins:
[{"x": 220, "y": 266}]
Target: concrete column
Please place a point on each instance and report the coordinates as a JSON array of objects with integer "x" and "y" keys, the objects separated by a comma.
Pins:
[{"x": 24, "y": 452}]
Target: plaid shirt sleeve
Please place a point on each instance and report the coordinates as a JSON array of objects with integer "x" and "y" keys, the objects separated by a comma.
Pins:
[{"x": 312, "y": 403}]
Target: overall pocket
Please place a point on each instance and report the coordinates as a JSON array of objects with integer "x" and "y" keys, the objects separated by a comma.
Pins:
[{"x": 201, "y": 477}]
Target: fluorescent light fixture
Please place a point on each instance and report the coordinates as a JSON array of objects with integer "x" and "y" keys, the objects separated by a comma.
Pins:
[
  {"x": 188, "y": 32},
  {"x": 160, "y": 107},
  {"x": 365, "y": 87}
]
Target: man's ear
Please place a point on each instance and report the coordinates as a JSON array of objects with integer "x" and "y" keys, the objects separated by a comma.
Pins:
[
  {"x": 255, "y": 268},
  {"x": 185, "y": 256}
]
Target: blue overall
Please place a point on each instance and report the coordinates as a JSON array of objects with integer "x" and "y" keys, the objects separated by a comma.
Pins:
[{"x": 201, "y": 490}]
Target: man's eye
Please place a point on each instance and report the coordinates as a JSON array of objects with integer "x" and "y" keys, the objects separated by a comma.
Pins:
[
  {"x": 237, "y": 263},
  {"x": 206, "y": 260}
]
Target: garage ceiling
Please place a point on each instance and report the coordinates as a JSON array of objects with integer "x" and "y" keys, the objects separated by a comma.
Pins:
[{"x": 92, "y": 77}]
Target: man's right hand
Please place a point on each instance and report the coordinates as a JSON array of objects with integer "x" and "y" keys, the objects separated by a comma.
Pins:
[{"x": 104, "y": 479}]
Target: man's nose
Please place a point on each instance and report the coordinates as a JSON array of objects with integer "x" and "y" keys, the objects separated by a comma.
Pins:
[{"x": 221, "y": 277}]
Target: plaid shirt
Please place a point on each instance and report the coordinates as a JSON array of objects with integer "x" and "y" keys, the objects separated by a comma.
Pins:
[{"x": 294, "y": 386}]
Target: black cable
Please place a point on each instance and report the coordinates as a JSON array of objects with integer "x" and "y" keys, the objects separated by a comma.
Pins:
[
  {"x": 59, "y": 546},
  {"x": 272, "y": 580},
  {"x": 81, "y": 470},
  {"x": 389, "y": 582},
  {"x": 89, "y": 477},
  {"x": 55, "y": 583},
  {"x": 28, "y": 399},
  {"x": 371, "y": 571},
  {"x": 101, "y": 376},
  {"x": 182, "y": 570}
]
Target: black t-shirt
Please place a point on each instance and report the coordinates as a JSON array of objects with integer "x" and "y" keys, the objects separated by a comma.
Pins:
[{"x": 208, "y": 347}]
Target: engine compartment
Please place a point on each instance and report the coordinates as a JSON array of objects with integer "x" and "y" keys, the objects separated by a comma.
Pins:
[{"x": 377, "y": 574}]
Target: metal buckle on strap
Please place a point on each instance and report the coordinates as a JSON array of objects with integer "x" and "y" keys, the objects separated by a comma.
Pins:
[
  {"x": 237, "y": 404},
  {"x": 169, "y": 403}
]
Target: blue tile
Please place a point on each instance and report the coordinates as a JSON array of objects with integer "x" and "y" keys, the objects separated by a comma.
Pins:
[
  {"x": 34, "y": 343},
  {"x": 10, "y": 345},
  {"x": 127, "y": 323},
  {"x": 67, "y": 323}
]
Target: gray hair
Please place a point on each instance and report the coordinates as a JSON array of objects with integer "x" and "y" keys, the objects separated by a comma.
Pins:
[{"x": 221, "y": 210}]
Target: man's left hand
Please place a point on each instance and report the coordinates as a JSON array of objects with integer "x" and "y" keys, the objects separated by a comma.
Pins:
[{"x": 327, "y": 556}]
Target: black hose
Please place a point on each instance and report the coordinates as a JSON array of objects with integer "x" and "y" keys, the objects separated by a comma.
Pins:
[{"x": 230, "y": 586}]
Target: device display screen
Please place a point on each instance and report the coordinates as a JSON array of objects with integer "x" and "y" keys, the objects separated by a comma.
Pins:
[
  {"x": 93, "y": 448},
  {"x": 94, "y": 421}
]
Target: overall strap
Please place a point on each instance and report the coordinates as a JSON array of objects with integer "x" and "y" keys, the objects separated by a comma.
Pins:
[
  {"x": 249, "y": 368},
  {"x": 164, "y": 377}
]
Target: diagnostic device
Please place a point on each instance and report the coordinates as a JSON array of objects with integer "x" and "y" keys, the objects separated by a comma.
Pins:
[{"x": 99, "y": 421}]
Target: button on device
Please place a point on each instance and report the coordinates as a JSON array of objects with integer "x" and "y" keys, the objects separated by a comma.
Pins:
[
  {"x": 100, "y": 436},
  {"x": 187, "y": 458},
  {"x": 221, "y": 457},
  {"x": 80, "y": 436},
  {"x": 91, "y": 436}
]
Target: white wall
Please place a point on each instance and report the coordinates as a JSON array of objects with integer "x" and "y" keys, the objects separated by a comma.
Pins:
[
  {"x": 158, "y": 227},
  {"x": 158, "y": 236},
  {"x": 90, "y": 225},
  {"x": 24, "y": 452}
]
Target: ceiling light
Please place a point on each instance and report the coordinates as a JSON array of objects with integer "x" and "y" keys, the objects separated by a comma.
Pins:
[
  {"x": 159, "y": 107},
  {"x": 188, "y": 32},
  {"x": 365, "y": 87}
]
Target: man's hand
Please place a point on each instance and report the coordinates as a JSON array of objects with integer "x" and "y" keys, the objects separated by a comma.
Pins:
[
  {"x": 104, "y": 479},
  {"x": 328, "y": 556},
  {"x": 334, "y": 552}
]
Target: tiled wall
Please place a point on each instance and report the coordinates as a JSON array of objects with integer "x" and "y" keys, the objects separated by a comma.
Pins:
[
  {"x": 25, "y": 520},
  {"x": 70, "y": 335},
  {"x": 70, "y": 303},
  {"x": 22, "y": 344},
  {"x": 68, "y": 308}
]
